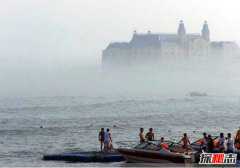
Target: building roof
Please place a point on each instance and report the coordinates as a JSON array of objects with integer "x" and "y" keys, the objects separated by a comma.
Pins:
[
  {"x": 120, "y": 45},
  {"x": 153, "y": 40},
  {"x": 140, "y": 40},
  {"x": 144, "y": 40}
]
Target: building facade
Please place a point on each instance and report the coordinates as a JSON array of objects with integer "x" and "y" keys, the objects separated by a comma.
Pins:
[{"x": 152, "y": 48}]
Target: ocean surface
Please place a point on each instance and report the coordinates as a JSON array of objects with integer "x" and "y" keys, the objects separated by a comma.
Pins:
[{"x": 31, "y": 127}]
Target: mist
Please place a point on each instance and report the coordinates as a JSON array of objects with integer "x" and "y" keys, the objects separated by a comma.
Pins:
[
  {"x": 53, "y": 48},
  {"x": 175, "y": 81}
]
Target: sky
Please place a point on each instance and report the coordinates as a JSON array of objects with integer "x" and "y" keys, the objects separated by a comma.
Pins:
[
  {"x": 46, "y": 42},
  {"x": 74, "y": 32}
]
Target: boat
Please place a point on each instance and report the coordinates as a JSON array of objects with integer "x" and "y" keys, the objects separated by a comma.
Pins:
[
  {"x": 197, "y": 94},
  {"x": 152, "y": 153},
  {"x": 161, "y": 156},
  {"x": 92, "y": 156},
  {"x": 197, "y": 145}
]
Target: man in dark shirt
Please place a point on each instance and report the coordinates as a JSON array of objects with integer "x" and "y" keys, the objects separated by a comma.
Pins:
[
  {"x": 210, "y": 144},
  {"x": 101, "y": 138},
  {"x": 141, "y": 135}
]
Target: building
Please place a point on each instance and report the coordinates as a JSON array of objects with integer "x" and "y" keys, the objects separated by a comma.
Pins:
[{"x": 161, "y": 48}]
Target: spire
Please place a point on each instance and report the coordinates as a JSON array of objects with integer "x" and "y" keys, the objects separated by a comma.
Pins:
[
  {"x": 205, "y": 31},
  {"x": 181, "y": 29}
]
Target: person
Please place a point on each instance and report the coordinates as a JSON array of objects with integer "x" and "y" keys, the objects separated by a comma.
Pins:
[
  {"x": 163, "y": 144},
  {"x": 221, "y": 142},
  {"x": 210, "y": 144},
  {"x": 101, "y": 138},
  {"x": 229, "y": 144},
  {"x": 185, "y": 141},
  {"x": 107, "y": 140},
  {"x": 150, "y": 135},
  {"x": 141, "y": 135},
  {"x": 237, "y": 140},
  {"x": 204, "y": 142}
]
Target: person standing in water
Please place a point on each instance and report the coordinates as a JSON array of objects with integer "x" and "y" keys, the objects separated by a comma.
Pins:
[
  {"x": 141, "y": 136},
  {"x": 150, "y": 135},
  {"x": 101, "y": 138}
]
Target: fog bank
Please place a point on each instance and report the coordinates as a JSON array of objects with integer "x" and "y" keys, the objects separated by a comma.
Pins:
[{"x": 213, "y": 78}]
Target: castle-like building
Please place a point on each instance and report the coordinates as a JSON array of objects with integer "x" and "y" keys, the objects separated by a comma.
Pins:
[{"x": 156, "y": 48}]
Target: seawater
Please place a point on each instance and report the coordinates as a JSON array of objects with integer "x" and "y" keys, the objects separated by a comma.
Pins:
[{"x": 31, "y": 127}]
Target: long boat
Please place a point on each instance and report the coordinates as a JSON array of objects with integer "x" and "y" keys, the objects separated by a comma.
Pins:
[
  {"x": 92, "y": 156},
  {"x": 148, "y": 156},
  {"x": 151, "y": 153}
]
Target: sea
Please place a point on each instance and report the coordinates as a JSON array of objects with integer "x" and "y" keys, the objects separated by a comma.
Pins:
[{"x": 31, "y": 127}]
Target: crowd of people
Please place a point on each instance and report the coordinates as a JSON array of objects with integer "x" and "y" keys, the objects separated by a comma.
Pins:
[
  {"x": 208, "y": 143},
  {"x": 226, "y": 144}
]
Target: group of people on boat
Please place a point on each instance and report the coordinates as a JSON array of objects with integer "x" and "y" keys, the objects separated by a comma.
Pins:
[
  {"x": 208, "y": 143},
  {"x": 105, "y": 139},
  {"x": 150, "y": 137},
  {"x": 220, "y": 144}
]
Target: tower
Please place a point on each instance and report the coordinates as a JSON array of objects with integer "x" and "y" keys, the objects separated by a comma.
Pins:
[
  {"x": 181, "y": 29},
  {"x": 205, "y": 31},
  {"x": 182, "y": 37}
]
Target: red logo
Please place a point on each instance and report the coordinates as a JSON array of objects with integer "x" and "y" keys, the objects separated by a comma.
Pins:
[{"x": 218, "y": 158}]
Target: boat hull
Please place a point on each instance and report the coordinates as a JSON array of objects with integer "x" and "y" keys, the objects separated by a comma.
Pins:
[
  {"x": 86, "y": 157},
  {"x": 147, "y": 156}
]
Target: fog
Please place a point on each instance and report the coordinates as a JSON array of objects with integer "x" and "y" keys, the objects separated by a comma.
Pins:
[{"x": 53, "y": 48}]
